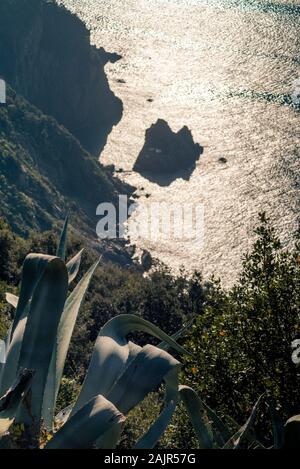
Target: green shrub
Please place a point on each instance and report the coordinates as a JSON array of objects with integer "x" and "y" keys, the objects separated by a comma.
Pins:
[{"x": 241, "y": 345}]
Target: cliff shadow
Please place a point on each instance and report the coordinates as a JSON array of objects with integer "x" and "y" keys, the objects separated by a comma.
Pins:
[{"x": 50, "y": 61}]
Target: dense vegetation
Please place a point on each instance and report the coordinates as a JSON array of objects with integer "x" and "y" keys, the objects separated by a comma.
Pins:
[
  {"x": 240, "y": 342},
  {"x": 160, "y": 298},
  {"x": 44, "y": 169},
  {"x": 243, "y": 340}
]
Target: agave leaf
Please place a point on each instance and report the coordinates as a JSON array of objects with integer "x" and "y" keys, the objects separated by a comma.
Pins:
[
  {"x": 292, "y": 433},
  {"x": 177, "y": 335},
  {"x": 2, "y": 351},
  {"x": 10, "y": 367},
  {"x": 63, "y": 415},
  {"x": 10, "y": 402},
  {"x": 277, "y": 425},
  {"x": 134, "y": 350},
  {"x": 62, "y": 245},
  {"x": 153, "y": 435},
  {"x": 4, "y": 346},
  {"x": 87, "y": 425},
  {"x": 2, "y": 357},
  {"x": 73, "y": 266},
  {"x": 222, "y": 433},
  {"x": 12, "y": 299},
  {"x": 111, "y": 353},
  {"x": 8, "y": 339},
  {"x": 62, "y": 343},
  {"x": 198, "y": 417},
  {"x": 110, "y": 439},
  {"x": 33, "y": 269},
  {"x": 258, "y": 445},
  {"x": 145, "y": 372},
  {"x": 245, "y": 431},
  {"x": 41, "y": 329}
]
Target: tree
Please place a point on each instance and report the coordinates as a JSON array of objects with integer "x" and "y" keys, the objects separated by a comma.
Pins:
[{"x": 241, "y": 345}]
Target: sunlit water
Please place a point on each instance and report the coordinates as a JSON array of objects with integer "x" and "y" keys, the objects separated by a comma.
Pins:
[{"x": 224, "y": 69}]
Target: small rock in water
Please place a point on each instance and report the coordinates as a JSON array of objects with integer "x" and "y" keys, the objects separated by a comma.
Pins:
[
  {"x": 222, "y": 160},
  {"x": 146, "y": 260}
]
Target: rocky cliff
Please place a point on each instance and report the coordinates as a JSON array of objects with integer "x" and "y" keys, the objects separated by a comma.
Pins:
[
  {"x": 45, "y": 54},
  {"x": 58, "y": 105}
]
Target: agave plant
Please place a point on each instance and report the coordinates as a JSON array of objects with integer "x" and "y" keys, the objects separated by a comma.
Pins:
[
  {"x": 291, "y": 439},
  {"x": 213, "y": 433},
  {"x": 119, "y": 376}
]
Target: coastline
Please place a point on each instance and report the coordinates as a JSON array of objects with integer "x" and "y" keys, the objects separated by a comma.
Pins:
[{"x": 188, "y": 76}]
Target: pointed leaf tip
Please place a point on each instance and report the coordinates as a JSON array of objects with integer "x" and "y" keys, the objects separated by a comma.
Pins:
[{"x": 62, "y": 245}]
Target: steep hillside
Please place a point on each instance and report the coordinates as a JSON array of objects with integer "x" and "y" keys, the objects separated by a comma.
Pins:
[
  {"x": 59, "y": 109},
  {"x": 44, "y": 171}
]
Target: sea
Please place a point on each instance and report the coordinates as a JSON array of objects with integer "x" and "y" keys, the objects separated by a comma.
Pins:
[{"x": 229, "y": 70}]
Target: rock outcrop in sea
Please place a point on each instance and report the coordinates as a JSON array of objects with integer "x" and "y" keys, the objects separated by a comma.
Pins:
[{"x": 165, "y": 152}]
